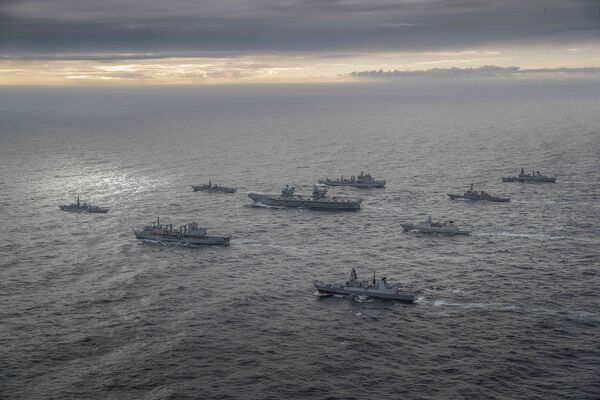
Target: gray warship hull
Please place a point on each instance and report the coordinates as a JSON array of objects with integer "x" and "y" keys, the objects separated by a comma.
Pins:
[
  {"x": 361, "y": 185},
  {"x": 477, "y": 198},
  {"x": 333, "y": 204},
  {"x": 530, "y": 179},
  {"x": 95, "y": 210},
  {"x": 434, "y": 230},
  {"x": 213, "y": 189},
  {"x": 196, "y": 241},
  {"x": 329, "y": 289}
]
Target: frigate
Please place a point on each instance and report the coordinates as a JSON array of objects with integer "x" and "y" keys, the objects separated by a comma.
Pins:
[
  {"x": 213, "y": 188},
  {"x": 379, "y": 289},
  {"x": 361, "y": 181},
  {"x": 188, "y": 234},
  {"x": 477, "y": 195},
  {"x": 430, "y": 226},
  {"x": 318, "y": 200},
  {"x": 534, "y": 177},
  {"x": 83, "y": 207}
]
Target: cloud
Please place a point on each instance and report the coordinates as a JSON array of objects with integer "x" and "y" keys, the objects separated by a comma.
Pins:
[
  {"x": 177, "y": 41},
  {"x": 152, "y": 71},
  {"x": 138, "y": 28},
  {"x": 479, "y": 72},
  {"x": 90, "y": 77},
  {"x": 450, "y": 61}
]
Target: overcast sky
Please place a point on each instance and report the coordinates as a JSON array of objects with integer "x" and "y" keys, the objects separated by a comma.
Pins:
[{"x": 266, "y": 39}]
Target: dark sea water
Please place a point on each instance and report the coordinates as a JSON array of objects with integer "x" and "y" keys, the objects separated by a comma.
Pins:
[{"x": 511, "y": 312}]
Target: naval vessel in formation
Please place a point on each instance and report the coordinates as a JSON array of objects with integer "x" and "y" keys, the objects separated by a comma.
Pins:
[
  {"x": 534, "y": 177},
  {"x": 318, "y": 200},
  {"x": 380, "y": 290},
  {"x": 83, "y": 208},
  {"x": 213, "y": 188},
  {"x": 476, "y": 195},
  {"x": 189, "y": 234},
  {"x": 361, "y": 181},
  {"x": 429, "y": 226}
]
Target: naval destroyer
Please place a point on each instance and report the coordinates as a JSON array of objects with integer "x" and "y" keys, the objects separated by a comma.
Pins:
[
  {"x": 478, "y": 195},
  {"x": 318, "y": 200},
  {"x": 83, "y": 208},
  {"x": 188, "y": 234},
  {"x": 361, "y": 181},
  {"x": 534, "y": 177},
  {"x": 379, "y": 289},
  {"x": 213, "y": 188},
  {"x": 430, "y": 226}
]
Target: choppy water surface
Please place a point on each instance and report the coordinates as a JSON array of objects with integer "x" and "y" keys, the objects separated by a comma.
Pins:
[{"x": 512, "y": 311}]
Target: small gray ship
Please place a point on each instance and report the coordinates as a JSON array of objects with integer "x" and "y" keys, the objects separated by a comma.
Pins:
[
  {"x": 213, "y": 188},
  {"x": 432, "y": 227},
  {"x": 80, "y": 207},
  {"x": 318, "y": 200},
  {"x": 188, "y": 234},
  {"x": 361, "y": 181},
  {"x": 534, "y": 177},
  {"x": 478, "y": 195},
  {"x": 378, "y": 289}
]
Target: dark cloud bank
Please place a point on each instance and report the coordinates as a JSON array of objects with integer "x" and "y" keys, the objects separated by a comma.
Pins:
[
  {"x": 486, "y": 71},
  {"x": 38, "y": 27}
]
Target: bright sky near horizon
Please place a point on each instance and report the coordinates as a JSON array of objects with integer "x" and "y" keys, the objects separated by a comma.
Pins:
[{"x": 59, "y": 42}]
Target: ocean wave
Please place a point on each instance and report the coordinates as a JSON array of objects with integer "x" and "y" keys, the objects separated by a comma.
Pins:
[
  {"x": 470, "y": 306},
  {"x": 537, "y": 236}
]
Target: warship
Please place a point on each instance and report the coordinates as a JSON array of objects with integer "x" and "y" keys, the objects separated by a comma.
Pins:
[
  {"x": 535, "y": 176},
  {"x": 189, "y": 234},
  {"x": 83, "y": 208},
  {"x": 380, "y": 290},
  {"x": 318, "y": 200},
  {"x": 213, "y": 188},
  {"x": 476, "y": 195},
  {"x": 429, "y": 226},
  {"x": 361, "y": 181}
]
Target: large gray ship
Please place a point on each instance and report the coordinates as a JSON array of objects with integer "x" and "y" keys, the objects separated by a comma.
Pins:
[
  {"x": 534, "y": 177},
  {"x": 80, "y": 207},
  {"x": 478, "y": 195},
  {"x": 318, "y": 200},
  {"x": 213, "y": 188},
  {"x": 361, "y": 181},
  {"x": 188, "y": 234},
  {"x": 380, "y": 290},
  {"x": 430, "y": 226}
]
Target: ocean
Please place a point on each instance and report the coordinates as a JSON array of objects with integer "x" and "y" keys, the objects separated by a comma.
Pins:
[{"x": 509, "y": 312}]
